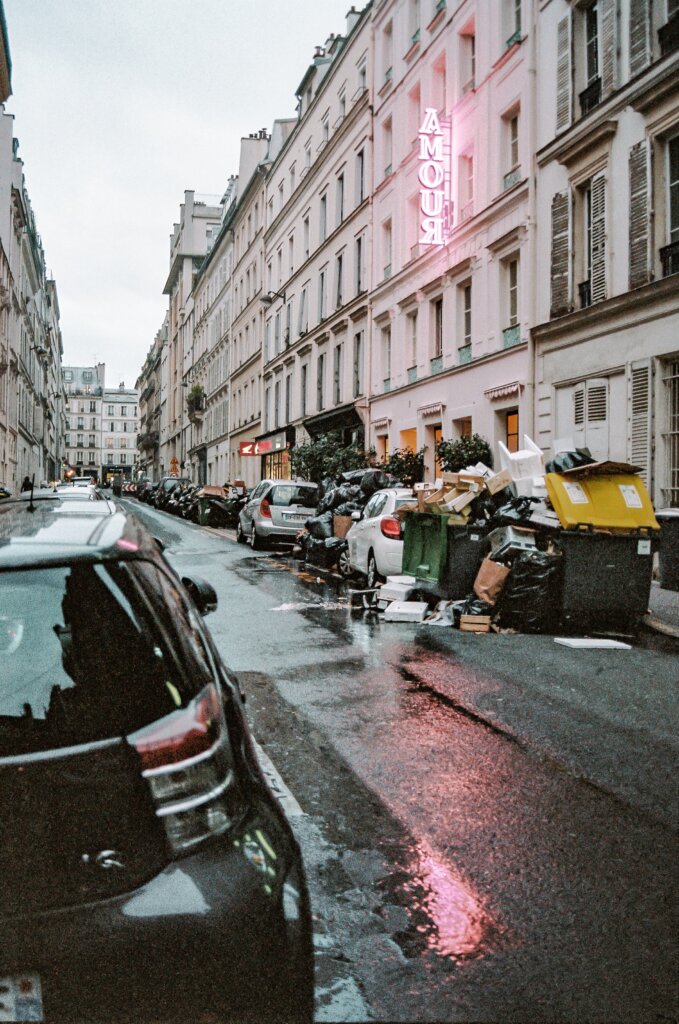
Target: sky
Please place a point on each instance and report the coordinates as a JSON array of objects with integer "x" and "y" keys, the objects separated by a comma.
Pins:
[{"x": 121, "y": 106}]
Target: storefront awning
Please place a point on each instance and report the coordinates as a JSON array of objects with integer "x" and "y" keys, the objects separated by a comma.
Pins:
[
  {"x": 434, "y": 409},
  {"x": 504, "y": 390},
  {"x": 343, "y": 418}
]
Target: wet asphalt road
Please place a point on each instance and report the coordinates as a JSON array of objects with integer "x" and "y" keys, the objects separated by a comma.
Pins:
[{"x": 488, "y": 823}]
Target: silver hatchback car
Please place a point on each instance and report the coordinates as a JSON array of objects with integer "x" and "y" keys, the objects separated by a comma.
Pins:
[{"x": 276, "y": 510}]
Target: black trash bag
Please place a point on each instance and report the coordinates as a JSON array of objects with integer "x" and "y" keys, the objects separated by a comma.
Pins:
[
  {"x": 470, "y": 605},
  {"x": 335, "y": 544},
  {"x": 374, "y": 480},
  {"x": 320, "y": 527},
  {"x": 515, "y": 512},
  {"x": 328, "y": 501},
  {"x": 347, "y": 508},
  {"x": 531, "y": 598},
  {"x": 304, "y": 539},
  {"x": 569, "y": 460},
  {"x": 317, "y": 554},
  {"x": 352, "y": 476},
  {"x": 347, "y": 492}
]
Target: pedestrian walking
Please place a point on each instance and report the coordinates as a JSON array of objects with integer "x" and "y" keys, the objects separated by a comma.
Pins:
[{"x": 26, "y": 485}]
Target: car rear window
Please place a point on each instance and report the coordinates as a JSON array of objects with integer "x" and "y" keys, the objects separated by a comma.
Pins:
[
  {"x": 404, "y": 501},
  {"x": 294, "y": 494},
  {"x": 93, "y": 651}
]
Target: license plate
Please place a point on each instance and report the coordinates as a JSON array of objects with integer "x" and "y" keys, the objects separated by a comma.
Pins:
[
  {"x": 296, "y": 519},
  {"x": 21, "y": 997}
]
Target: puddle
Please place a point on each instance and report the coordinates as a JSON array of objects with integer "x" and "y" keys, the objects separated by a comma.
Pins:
[
  {"x": 300, "y": 606},
  {"x": 446, "y": 916}
]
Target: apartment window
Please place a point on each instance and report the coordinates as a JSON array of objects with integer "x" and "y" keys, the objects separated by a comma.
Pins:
[
  {"x": 87, "y": 375},
  {"x": 414, "y": 22},
  {"x": 293, "y": 178},
  {"x": 277, "y": 334},
  {"x": 387, "y": 52},
  {"x": 339, "y": 274},
  {"x": 468, "y": 60},
  {"x": 337, "y": 375},
  {"x": 513, "y": 291},
  {"x": 267, "y": 408},
  {"x": 322, "y": 313},
  {"x": 276, "y": 403},
  {"x": 340, "y": 198},
  {"x": 592, "y": 42},
  {"x": 342, "y": 105},
  {"x": 360, "y": 176},
  {"x": 123, "y": 442},
  {"x": 592, "y": 201},
  {"x": 362, "y": 78},
  {"x": 110, "y": 410},
  {"x": 307, "y": 155},
  {"x": 464, "y": 294},
  {"x": 512, "y": 21},
  {"x": 359, "y": 265},
  {"x": 671, "y": 262},
  {"x": 437, "y": 346},
  {"x": 109, "y": 460},
  {"x": 466, "y": 186},
  {"x": 513, "y": 134},
  {"x": 412, "y": 338},
  {"x": 267, "y": 341},
  {"x": 387, "y": 146},
  {"x": 386, "y": 358},
  {"x": 305, "y": 237},
  {"x": 358, "y": 364},
  {"x": 303, "y": 318},
  {"x": 323, "y": 218},
  {"x": 287, "y": 337},
  {"x": 93, "y": 406},
  {"x": 112, "y": 427},
  {"x": 291, "y": 254},
  {"x": 320, "y": 382},
  {"x": 671, "y": 434},
  {"x": 325, "y": 128},
  {"x": 303, "y": 385},
  {"x": 93, "y": 441},
  {"x": 386, "y": 247}
]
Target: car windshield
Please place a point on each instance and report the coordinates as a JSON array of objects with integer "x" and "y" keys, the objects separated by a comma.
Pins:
[
  {"x": 90, "y": 652},
  {"x": 294, "y": 494}
]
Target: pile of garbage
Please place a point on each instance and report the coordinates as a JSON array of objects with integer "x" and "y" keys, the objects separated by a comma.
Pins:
[
  {"x": 533, "y": 548},
  {"x": 324, "y": 537}
]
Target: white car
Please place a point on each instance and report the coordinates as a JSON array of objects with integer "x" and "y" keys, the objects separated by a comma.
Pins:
[{"x": 375, "y": 540}]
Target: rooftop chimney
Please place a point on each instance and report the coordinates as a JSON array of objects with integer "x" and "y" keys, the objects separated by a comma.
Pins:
[{"x": 352, "y": 17}]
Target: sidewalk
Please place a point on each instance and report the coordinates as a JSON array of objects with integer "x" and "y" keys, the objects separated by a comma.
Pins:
[{"x": 664, "y": 610}]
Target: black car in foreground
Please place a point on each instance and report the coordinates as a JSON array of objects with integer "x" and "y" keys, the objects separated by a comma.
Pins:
[{"x": 148, "y": 874}]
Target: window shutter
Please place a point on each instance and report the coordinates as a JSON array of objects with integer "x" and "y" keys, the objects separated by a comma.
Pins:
[
  {"x": 579, "y": 415},
  {"x": 563, "y": 74},
  {"x": 639, "y": 36},
  {"x": 598, "y": 280},
  {"x": 639, "y": 441},
  {"x": 639, "y": 177},
  {"x": 561, "y": 255},
  {"x": 596, "y": 427},
  {"x": 609, "y": 46}
]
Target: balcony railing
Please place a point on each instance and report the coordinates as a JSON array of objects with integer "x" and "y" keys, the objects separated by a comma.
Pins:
[
  {"x": 412, "y": 374},
  {"x": 386, "y": 385},
  {"x": 590, "y": 97},
  {"x": 464, "y": 354},
  {"x": 669, "y": 255},
  {"x": 436, "y": 364},
  {"x": 514, "y": 38},
  {"x": 511, "y": 336},
  {"x": 668, "y": 35},
  {"x": 387, "y": 271},
  {"x": 511, "y": 178},
  {"x": 585, "y": 293}
]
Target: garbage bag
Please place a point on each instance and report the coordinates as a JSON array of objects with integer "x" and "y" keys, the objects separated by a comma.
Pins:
[
  {"x": 374, "y": 480},
  {"x": 531, "y": 598},
  {"x": 352, "y": 476},
  {"x": 347, "y": 508},
  {"x": 569, "y": 460},
  {"x": 320, "y": 527},
  {"x": 335, "y": 544},
  {"x": 515, "y": 512},
  {"x": 328, "y": 501}
]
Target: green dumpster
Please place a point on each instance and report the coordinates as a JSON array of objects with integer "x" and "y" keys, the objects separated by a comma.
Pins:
[{"x": 425, "y": 545}]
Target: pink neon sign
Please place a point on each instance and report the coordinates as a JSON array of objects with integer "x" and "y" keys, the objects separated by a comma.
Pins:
[{"x": 431, "y": 175}]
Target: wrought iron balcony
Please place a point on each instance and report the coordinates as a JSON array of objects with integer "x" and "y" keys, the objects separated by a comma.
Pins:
[
  {"x": 511, "y": 178},
  {"x": 590, "y": 97},
  {"x": 585, "y": 293},
  {"x": 412, "y": 374},
  {"x": 386, "y": 385},
  {"x": 669, "y": 255},
  {"x": 436, "y": 364},
  {"x": 668, "y": 35},
  {"x": 464, "y": 354}
]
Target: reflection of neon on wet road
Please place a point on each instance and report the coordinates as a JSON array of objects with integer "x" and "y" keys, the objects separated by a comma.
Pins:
[{"x": 444, "y": 910}]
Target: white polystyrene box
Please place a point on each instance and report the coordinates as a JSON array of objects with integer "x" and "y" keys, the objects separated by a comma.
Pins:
[{"x": 406, "y": 611}]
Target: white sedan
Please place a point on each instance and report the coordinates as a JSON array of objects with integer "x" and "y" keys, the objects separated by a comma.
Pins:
[{"x": 375, "y": 540}]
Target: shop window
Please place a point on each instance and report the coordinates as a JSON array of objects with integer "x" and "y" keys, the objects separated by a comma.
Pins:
[{"x": 512, "y": 430}]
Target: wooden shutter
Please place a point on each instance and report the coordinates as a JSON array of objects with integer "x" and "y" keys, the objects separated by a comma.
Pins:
[
  {"x": 579, "y": 415},
  {"x": 639, "y": 228},
  {"x": 563, "y": 74},
  {"x": 609, "y": 46},
  {"x": 639, "y": 410},
  {"x": 561, "y": 255},
  {"x": 596, "y": 426},
  {"x": 639, "y": 36},
  {"x": 598, "y": 279}
]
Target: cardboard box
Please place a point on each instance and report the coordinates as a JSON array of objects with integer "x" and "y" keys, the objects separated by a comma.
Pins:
[
  {"x": 499, "y": 481},
  {"x": 475, "y": 623},
  {"x": 458, "y": 501},
  {"x": 341, "y": 525}
]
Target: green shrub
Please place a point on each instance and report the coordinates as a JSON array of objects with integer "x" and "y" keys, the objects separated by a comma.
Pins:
[
  {"x": 406, "y": 465},
  {"x": 465, "y": 451},
  {"x": 327, "y": 456}
]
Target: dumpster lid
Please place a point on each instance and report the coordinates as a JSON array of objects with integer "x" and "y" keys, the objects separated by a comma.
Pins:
[
  {"x": 614, "y": 501},
  {"x": 605, "y": 468}
]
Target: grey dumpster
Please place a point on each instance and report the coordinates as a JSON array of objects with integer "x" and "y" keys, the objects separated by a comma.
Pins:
[{"x": 669, "y": 548}]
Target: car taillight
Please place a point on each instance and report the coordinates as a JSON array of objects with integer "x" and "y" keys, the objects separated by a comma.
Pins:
[
  {"x": 391, "y": 527},
  {"x": 186, "y": 760},
  {"x": 265, "y": 508}
]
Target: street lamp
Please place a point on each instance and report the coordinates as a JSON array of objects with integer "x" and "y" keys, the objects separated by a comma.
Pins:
[{"x": 270, "y": 297}]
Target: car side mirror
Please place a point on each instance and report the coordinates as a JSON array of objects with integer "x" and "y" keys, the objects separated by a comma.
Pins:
[
  {"x": 356, "y": 516},
  {"x": 203, "y": 594},
  {"x": 160, "y": 544}
]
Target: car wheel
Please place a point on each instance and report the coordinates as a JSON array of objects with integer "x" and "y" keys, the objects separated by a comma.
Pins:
[
  {"x": 255, "y": 541},
  {"x": 344, "y": 565},
  {"x": 374, "y": 577},
  {"x": 240, "y": 536}
]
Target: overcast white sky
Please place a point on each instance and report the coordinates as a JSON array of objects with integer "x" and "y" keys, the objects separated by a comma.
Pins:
[{"x": 121, "y": 106}]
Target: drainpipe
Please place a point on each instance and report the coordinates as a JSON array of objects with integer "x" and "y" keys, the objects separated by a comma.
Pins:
[{"x": 532, "y": 218}]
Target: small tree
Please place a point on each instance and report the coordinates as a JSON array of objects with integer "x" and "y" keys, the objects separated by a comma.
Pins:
[
  {"x": 465, "y": 451},
  {"x": 406, "y": 465},
  {"x": 327, "y": 456},
  {"x": 195, "y": 398}
]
